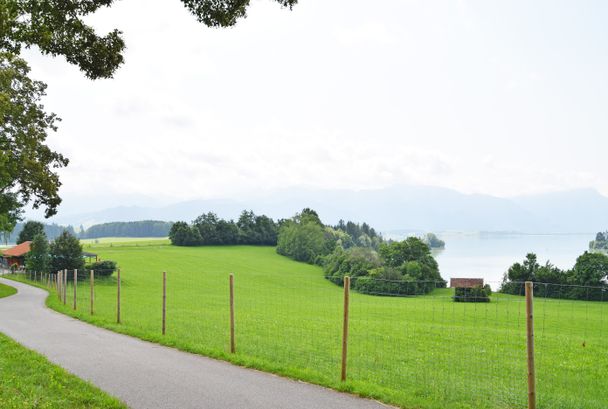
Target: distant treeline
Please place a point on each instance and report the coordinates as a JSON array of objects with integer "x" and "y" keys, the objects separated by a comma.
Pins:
[
  {"x": 52, "y": 231},
  {"x": 587, "y": 280},
  {"x": 209, "y": 229},
  {"x": 144, "y": 228},
  {"x": 600, "y": 242}
]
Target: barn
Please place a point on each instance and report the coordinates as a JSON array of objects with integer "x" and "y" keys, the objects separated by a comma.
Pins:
[{"x": 16, "y": 255}]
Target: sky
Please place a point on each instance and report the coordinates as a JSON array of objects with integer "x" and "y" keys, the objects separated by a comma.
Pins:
[{"x": 492, "y": 97}]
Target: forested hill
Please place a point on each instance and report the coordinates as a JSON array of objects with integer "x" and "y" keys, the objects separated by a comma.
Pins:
[{"x": 144, "y": 228}]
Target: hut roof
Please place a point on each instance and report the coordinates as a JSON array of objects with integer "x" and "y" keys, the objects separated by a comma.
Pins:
[{"x": 466, "y": 282}]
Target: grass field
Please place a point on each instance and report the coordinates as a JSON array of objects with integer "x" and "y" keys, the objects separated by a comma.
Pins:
[
  {"x": 123, "y": 241},
  {"x": 28, "y": 380},
  {"x": 5, "y": 291},
  {"x": 416, "y": 352}
]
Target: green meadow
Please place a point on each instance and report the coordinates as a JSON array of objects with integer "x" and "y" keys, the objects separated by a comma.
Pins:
[
  {"x": 28, "y": 380},
  {"x": 414, "y": 352}
]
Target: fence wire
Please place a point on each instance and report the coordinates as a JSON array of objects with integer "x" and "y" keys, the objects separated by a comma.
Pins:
[{"x": 409, "y": 343}]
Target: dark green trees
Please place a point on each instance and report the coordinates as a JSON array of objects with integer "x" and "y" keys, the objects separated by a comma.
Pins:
[
  {"x": 30, "y": 230},
  {"x": 66, "y": 253},
  {"x": 27, "y": 164},
  {"x": 209, "y": 229},
  {"x": 38, "y": 259},
  {"x": 398, "y": 268},
  {"x": 58, "y": 28},
  {"x": 587, "y": 280},
  {"x": 304, "y": 239}
]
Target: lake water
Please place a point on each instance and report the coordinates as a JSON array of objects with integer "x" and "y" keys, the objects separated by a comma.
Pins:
[{"x": 489, "y": 256}]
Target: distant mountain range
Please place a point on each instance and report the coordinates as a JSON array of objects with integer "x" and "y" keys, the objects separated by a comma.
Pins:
[{"x": 413, "y": 208}]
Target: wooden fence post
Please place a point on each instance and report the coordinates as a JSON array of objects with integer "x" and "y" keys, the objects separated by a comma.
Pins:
[
  {"x": 118, "y": 298},
  {"x": 65, "y": 286},
  {"x": 92, "y": 285},
  {"x": 75, "y": 285},
  {"x": 530, "y": 333},
  {"x": 57, "y": 287},
  {"x": 345, "y": 327},
  {"x": 232, "y": 340},
  {"x": 164, "y": 300}
]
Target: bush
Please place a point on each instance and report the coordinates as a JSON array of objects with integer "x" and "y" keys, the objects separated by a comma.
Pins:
[
  {"x": 103, "y": 268},
  {"x": 474, "y": 294}
]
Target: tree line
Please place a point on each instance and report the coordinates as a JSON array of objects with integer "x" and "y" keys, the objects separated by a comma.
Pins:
[
  {"x": 348, "y": 248},
  {"x": 143, "y": 228},
  {"x": 23, "y": 231},
  {"x": 586, "y": 280},
  {"x": 62, "y": 253},
  {"x": 375, "y": 266},
  {"x": 209, "y": 229}
]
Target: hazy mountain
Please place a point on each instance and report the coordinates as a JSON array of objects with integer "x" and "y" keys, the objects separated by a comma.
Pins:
[{"x": 420, "y": 208}]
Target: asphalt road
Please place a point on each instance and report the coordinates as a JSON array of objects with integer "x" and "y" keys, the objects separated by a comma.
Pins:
[{"x": 148, "y": 376}]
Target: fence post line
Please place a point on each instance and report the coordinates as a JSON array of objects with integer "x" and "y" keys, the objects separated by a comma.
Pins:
[
  {"x": 232, "y": 340},
  {"x": 92, "y": 285},
  {"x": 118, "y": 298},
  {"x": 164, "y": 300},
  {"x": 530, "y": 344},
  {"x": 75, "y": 285},
  {"x": 345, "y": 327}
]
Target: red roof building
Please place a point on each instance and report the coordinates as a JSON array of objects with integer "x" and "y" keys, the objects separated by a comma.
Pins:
[{"x": 16, "y": 255}]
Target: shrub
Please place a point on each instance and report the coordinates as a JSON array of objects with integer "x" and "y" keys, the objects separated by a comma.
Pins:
[
  {"x": 103, "y": 268},
  {"x": 474, "y": 294}
]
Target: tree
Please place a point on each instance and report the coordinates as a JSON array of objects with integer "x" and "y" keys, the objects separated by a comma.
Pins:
[
  {"x": 30, "y": 230},
  {"x": 590, "y": 269},
  {"x": 38, "y": 258},
  {"x": 57, "y": 28},
  {"x": 181, "y": 234},
  {"x": 28, "y": 164},
  {"x": 66, "y": 253}
]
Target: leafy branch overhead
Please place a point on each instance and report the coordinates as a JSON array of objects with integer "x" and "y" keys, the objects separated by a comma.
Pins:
[
  {"x": 28, "y": 167},
  {"x": 28, "y": 164},
  {"x": 56, "y": 28}
]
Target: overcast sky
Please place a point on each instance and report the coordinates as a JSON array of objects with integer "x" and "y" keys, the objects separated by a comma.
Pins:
[{"x": 503, "y": 98}]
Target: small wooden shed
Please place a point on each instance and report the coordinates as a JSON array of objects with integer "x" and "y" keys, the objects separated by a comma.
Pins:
[
  {"x": 466, "y": 282},
  {"x": 470, "y": 290}
]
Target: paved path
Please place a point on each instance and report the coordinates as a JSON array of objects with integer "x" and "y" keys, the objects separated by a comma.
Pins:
[{"x": 148, "y": 376}]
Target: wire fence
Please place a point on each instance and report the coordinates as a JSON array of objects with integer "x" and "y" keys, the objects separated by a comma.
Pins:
[{"x": 406, "y": 343}]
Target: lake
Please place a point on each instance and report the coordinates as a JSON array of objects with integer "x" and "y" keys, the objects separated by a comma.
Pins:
[{"x": 489, "y": 256}]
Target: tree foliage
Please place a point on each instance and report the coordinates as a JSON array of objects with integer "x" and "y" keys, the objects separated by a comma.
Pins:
[
  {"x": 58, "y": 28},
  {"x": 30, "y": 230},
  {"x": 28, "y": 171},
  {"x": 52, "y": 231},
  {"x": 398, "y": 268},
  {"x": 66, "y": 253},
  {"x": 209, "y": 229},
  {"x": 38, "y": 259},
  {"x": 587, "y": 280}
]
